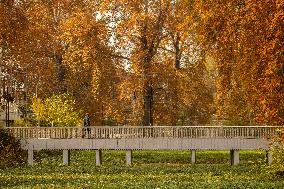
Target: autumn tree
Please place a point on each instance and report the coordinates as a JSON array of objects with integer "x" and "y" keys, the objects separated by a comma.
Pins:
[
  {"x": 192, "y": 95},
  {"x": 91, "y": 70},
  {"x": 64, "y": 48},
  {"x": 246, "y": 40},
  {"x": 153, "y": 56},
  {"x": 138, "y": 29},
  {"x": 162, "y": 56},
  {"x": 13, "y": 26}
]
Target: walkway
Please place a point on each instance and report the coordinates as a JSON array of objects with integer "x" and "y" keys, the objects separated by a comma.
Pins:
[{"x": 233, "y": 138}]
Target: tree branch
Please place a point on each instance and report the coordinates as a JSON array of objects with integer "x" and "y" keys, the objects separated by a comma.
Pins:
[{"x": 119, "y": 56}]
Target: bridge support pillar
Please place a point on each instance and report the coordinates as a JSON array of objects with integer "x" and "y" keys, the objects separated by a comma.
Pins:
[
  {"x": 30, "y": 157},
  {"x": 193, "y": 156},
  {"x": 268, "y": 157},
  {"x": 235, "y": 157},
  {"x": 66, "y": 157},
  {"x": 98, "y": 157},
  {"x": 128, "y": 157}
]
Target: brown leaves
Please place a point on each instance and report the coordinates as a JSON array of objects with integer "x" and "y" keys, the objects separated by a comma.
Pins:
[{"x": 105, "y": 51}]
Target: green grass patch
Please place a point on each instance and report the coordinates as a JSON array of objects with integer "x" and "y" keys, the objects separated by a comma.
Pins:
[{"x": 150, "y": 169}]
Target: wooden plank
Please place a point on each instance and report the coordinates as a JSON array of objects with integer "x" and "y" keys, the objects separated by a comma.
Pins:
[
  {"x": 135, "y": 144},
  {"x": 174, "y": 143}
]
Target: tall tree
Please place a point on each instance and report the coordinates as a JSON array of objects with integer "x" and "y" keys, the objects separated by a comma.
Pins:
[
  {"x": 63, "y": 48},
  {"x": 246, "y": 39},
  {"x": 139, "y": 28}
]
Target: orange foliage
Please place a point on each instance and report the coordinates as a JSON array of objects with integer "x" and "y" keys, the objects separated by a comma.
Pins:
[{"x": 246, "y": 39}]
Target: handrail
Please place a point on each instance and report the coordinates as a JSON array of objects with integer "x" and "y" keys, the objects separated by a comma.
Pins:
[
  {"x": 160, "y": 126},
  {"x": 129, "y": 132}
]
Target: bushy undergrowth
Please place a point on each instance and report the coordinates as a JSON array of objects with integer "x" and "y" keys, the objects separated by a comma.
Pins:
[
  {"x": 277, "y": 147},
  {"x": 10, "y": 150}
]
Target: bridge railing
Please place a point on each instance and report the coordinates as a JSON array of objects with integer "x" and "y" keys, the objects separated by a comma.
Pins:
[{"x": 107, "y": 132}]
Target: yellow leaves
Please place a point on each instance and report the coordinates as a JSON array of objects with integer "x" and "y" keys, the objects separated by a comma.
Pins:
[
  {"x": 81, "y": 34},
  {"x": 38, "y": 106},
  {"x": 97, "y": 75},
  {"x": 76, "y": 28},
  {"x": 57, "y": 110}
]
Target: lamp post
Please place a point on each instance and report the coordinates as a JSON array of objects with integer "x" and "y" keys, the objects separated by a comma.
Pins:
[
  {"x": 148, "y": 114},
  {"x": 9, "y": 98},
  {"x": 149, "y": 98},
  {"x": 103, "y": 123},
  {"x": 148, "y": 93},
  {"x": 100, "y": 114}
]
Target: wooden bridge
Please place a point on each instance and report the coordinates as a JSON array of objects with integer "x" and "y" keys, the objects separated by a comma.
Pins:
[{"x": 233, "y": 138}]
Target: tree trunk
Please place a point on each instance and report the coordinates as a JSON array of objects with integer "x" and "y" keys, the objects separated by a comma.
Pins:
[{"x": 60, "y": 71}]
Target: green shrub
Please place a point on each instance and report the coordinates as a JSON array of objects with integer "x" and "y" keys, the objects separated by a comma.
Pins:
[
  {"x": 10, "y": 150},
  {"x": 278, "y": 161},
  {"x": 57, "y": 110},
  {"x": 278, "y": 154}
]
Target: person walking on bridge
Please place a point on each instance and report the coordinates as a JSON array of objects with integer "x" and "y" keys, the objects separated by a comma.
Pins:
[{"x": 87, "y": 124}]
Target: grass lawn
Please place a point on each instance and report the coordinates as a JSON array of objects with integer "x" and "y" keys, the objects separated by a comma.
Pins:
[{"x": 150, "y": 169}]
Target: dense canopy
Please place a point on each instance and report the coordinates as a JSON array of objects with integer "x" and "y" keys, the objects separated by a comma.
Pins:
[{"x": 150, "y": 62}]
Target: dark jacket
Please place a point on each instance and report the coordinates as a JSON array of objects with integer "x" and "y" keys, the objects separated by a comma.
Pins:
[{"x": 87, "y": 122}]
